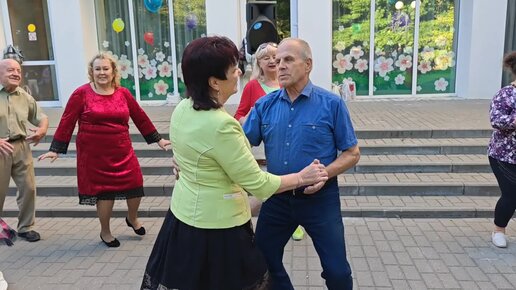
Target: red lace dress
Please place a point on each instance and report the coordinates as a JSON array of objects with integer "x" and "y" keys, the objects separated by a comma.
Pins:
[{"x": 107, "y": 167}]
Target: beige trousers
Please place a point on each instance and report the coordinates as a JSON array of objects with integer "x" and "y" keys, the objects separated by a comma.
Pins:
[{"x": 20, "y": 167}]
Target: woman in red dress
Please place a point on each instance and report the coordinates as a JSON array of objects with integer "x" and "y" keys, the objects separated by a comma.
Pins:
[
  {"x": 107, "y": 167},
  {"x": 264, "y": 79}
]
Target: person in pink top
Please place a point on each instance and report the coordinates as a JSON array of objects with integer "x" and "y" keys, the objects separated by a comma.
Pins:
[{"x": 264, "y": 80}]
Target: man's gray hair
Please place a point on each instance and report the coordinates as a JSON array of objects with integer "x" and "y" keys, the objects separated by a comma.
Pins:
[{"x": 306, "y": 51}]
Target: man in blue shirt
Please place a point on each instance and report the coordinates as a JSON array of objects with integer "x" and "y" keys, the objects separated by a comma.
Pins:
[{"x": 300, "y": 123}]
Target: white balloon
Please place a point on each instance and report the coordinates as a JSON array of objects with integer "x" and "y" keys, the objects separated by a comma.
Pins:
[
  {"x": 413, "y": 4},
  {"x": 399, "y": 5}
]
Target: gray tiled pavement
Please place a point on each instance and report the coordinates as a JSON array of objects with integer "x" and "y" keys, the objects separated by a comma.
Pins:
[{"x": 384, "y": 254}]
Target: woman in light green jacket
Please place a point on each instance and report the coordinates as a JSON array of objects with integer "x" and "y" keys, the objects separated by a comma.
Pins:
[{"x": 206, "y": 241}]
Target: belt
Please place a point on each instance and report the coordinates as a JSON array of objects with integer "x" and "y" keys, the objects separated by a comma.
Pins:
[
  {"x": 294, "y": 191},
  {"x": 15, "y": 139},
  {"x": 300, "y": 190}
]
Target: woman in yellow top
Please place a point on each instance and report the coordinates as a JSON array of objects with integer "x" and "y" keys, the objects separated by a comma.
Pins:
[{"x": 206, "y": 241}]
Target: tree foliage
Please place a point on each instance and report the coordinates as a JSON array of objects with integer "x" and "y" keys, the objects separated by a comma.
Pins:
[
  {"x": 351, "y": 24},
  {"x": 182, "y": 8}
]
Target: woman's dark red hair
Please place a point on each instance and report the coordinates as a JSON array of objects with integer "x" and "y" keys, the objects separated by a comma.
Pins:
[{"x": 203, "y": 58}]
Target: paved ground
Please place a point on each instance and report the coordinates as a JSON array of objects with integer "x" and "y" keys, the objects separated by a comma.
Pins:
[{"x": 384, "y": 254}]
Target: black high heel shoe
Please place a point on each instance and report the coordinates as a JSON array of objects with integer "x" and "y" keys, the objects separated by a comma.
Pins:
[
  {"x": 140, "y": 231},
  {"x": 113, "y": 244}
]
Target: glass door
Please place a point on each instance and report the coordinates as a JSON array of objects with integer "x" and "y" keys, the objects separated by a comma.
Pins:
[
  {"x": 29, "y": 27},
  {"x": 147, "y": 39},
  {"x": 395, "y": 47}
]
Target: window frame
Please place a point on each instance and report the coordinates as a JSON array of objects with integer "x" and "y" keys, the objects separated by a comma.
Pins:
[{"x": 9, "y": 40}]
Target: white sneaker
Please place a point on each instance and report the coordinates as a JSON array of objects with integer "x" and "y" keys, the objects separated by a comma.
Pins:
[
  {"x": 3, "y": 283},
  {"x": 499, "y": 239}
]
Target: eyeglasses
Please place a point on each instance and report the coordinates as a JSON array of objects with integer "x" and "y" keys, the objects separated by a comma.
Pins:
[{"x": 265, "y": 44}]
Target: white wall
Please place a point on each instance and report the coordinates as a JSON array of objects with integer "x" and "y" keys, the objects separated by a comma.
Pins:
[
  {"x": 314, "y": 26},
  {"x": 480, "y": 48},
  {"x": 89, "y": 30},
  {"x": 71, "y": 50},
  {"x": 2, "y": 29},
  {"x": 227, "y": 17}
]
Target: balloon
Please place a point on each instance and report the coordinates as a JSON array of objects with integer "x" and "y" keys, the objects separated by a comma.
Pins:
[
  {"x": 356, "y": 28},
  {"x": 118, "y": 25},
  {"x": 153, "y": 5},
  {"x": 191, "y": 21},
  {"x": 399, "y": 5},
  {"x": 149, "y": 38},
  {"x": 31, "y": 27}
]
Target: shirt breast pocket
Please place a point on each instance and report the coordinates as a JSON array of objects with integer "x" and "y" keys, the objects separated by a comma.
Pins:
[
  {"x": 316, "y": 138},
  {"x": 267, "y": 131}
]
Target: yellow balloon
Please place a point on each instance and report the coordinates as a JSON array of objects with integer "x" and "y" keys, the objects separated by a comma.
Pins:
[
  {"x": 31, "y": 27},
  {"x": 118, "y": 25}
]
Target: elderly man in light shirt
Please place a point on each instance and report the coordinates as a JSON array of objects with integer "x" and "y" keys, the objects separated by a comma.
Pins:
[{"x": 18, "y": 108}]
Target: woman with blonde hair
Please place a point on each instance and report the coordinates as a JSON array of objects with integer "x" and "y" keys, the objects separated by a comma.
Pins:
[
  {"x": 264, "y": 79},
  {"x": 107, "y": 167}
]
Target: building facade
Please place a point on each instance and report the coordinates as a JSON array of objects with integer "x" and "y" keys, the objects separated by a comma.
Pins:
[{"x": 388, "y": 48}]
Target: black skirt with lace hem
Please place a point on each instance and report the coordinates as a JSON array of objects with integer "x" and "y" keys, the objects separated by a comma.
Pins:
[
  {"x": 189, "y": 258},
  {"x": 113, "y": 195}
]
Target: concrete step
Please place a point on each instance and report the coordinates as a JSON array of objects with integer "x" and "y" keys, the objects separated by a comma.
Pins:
[
  {"x": 361, "y": 133},
  {"x": 423, "y": 146},
  {"x": 424, "y": 133},
  {"x": 368, "y": 184},
  {"x": 368, "y": 164},
  {"x": 351, "y": 206},
  {"x": 367, "y": 147}
]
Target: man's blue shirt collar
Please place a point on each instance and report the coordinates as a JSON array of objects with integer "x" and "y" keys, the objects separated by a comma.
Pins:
[{"x": 307, "y": 91}]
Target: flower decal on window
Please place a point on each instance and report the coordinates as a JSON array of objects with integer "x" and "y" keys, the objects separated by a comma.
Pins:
[
  {"x": 441, "y": 84},
  {"x": 160, "y": 88},
  {"x": 149, "y": 72},
  {"x": 124, "y": 66},
  {"x": 404, "y": 62},
  {"x": 383, "y": 66},
  {"x": 165, "y": 69},
  {"x": 342, "y": 63},
  {"x": 356, "y": 52},
  {"x": 444, "y": 61},
  {"x": 361, "y": 65},
  {"x": 340, "y": 46},
  {"x": 143, "y": 60},
  {"x": 160, "y": 56},
  {"x": 424, "y": 67},
  {"x": 399, "y": 80}
]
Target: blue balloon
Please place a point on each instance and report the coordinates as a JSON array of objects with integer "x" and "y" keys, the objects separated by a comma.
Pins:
[
  {"x": 153, "y": 5},
  {"x": 191, "y": 21}
]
